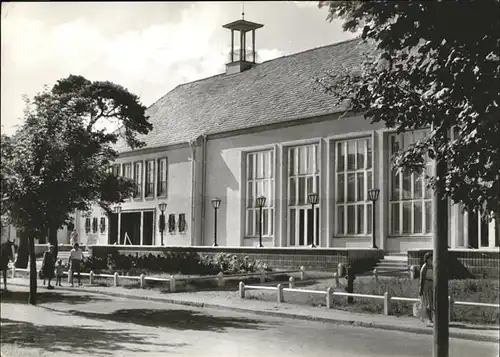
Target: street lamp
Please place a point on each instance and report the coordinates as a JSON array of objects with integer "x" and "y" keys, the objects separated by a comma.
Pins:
[
  {"x": 373, "y": 196},
  {"x": 117, "y": 209},
  {"x": 313, "y": 199},
  {"x": 260, "y": 201},
  {"x": 215, "y": 205},
  {"x": 162, "y": 206}
]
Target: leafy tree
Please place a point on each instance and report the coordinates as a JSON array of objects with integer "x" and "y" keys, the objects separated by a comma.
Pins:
[
  {"x": 58, "y": 161},
  {"x": 437, "y": 65}
]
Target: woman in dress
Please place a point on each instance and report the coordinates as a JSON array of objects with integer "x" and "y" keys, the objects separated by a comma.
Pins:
[
  {"x": 48, "y": 266},
  {"x": 426, "y": 287}
]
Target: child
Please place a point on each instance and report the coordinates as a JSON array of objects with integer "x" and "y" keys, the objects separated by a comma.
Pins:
[
  {"x": 59, "y": 272},
  {"x": 41, "y": 276}
]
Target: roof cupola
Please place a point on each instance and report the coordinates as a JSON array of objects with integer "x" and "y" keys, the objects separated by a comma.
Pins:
[{"x": 242, "y": 57}]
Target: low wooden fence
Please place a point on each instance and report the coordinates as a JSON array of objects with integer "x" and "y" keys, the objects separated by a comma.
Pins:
[
  {"x": 172, "y": 279},
  {"x": 329, "y": 294}
]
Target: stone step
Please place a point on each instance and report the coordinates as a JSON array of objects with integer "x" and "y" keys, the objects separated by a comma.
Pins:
[
  {"x": 396, "y": 254},
  {"x": 391, "y": 265},
  {"x": 381, "y": 270},
  {"x": 397, "y": 258},
  {"x": 393, "y": 260}
]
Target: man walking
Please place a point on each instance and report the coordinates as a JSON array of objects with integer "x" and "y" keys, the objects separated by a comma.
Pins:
[{"x": 75, "y": 258}]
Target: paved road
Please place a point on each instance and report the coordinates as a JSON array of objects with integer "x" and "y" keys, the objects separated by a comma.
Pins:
[{"x": 81, "y": 324}]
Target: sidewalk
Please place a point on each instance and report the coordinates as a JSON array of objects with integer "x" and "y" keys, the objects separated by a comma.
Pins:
[{"x": 231, "y": 300}]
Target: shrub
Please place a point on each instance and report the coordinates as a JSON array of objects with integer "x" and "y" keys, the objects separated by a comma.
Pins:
[
  {"x": 94, "y": 263},
  {"x": 174, "y": 262},
  {"x": 231, "y": 263}
]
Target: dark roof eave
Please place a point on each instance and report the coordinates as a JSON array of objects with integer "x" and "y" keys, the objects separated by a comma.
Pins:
[
  {"x": 254, "y": 129},
  {"x": 153, "y": 149}
]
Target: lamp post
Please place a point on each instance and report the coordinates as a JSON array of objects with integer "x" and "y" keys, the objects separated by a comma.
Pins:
[
  {"x": 162, "y": 206},
  {"x": 118, "y": 210},
  {"x": 313, "y": 199},
  {"x": 373, "y": 196},
  {"x": 260, "y": 201},
  {"x": 215, "y": 205}
]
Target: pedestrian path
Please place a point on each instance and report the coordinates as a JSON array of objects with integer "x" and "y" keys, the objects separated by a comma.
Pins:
[{"x": 231, "y": 300}]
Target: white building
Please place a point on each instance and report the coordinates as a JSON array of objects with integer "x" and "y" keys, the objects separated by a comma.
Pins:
[{"x": 270, "y": 129}]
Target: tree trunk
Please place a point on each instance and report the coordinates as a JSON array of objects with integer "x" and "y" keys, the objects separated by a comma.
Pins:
[
  {"x": 22, "y": 251},
  {"x": 33, "y": 275},
  {"x": 43, "y": 237}
]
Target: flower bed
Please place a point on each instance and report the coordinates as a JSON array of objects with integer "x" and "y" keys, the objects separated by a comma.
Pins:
[{"x": 173, "y": 263}]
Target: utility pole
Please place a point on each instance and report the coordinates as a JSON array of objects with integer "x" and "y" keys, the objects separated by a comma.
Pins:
[{"x": 440, "y": 263}]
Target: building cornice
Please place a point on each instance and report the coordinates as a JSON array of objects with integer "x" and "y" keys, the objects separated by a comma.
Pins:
[
  {"x": 237, "y": 132},
  {"x": 281, "y": 125}
]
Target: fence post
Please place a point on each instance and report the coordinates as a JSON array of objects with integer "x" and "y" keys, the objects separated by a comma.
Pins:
[
  {"x": 350, "y": 284},
  {"x": 302, "y": 272},
  {"x": 336, "y": 276},
  {"x": 413, "y": 272},
  {"x": 220, "y": 278},
  {"x": 242, "y": 290},
  {"x": 450, "y": 307},
  {"x": 115, "y": 279},
  {"x": 262, "y": 276},
  {"x": 329, "y": 297},
  {"x": 172, "y": 283},
  {"x": 280, "y": 293},
  {"x": 341, "y": 270},
  {"x": 13, "y": 271},
  {"x": 387, "y": 304},
  {"x": 291, "y": 282},
  {"x": 91, "y": 277},
  {"x": 142, "y": 281}
]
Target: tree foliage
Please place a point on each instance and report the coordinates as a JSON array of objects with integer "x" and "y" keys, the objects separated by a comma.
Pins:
[
  {"x": 437, "y": 66},
  {"x": 58, "y": 160}
]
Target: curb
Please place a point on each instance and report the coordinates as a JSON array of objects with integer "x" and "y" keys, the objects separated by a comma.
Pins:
[{"x": 376, "y": 325}]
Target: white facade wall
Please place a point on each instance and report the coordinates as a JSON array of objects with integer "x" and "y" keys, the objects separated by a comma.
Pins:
[
  {"x": 226, "y": 178},
  {"x": 191, "y": 186},
  {"x": 178, "y": 198}
]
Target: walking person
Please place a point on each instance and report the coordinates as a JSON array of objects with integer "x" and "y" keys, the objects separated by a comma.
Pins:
[
  {"x": 75, "y": 258},
  {"x": 426, "y": 286},
  {"x": 59, "y": 272},
  {"x": 48, "y": 266}
]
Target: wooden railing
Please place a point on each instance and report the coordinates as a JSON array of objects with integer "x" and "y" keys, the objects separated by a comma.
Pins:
[
  {"x": 172, "y": 279},
  {"x": 329, "y": 294}
]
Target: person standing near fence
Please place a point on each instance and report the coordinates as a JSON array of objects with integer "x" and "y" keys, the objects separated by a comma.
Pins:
[
  {"x": 75, "y": 258},
  {"x": 426, "y": 289},
  {"x": 48, "y": 266}
]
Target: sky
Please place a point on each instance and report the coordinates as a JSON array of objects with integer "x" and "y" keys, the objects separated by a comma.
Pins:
[{"x": 147, "y": 47}]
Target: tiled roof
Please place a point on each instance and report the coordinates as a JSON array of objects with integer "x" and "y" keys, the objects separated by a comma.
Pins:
[{"x": 275, "y": 91}]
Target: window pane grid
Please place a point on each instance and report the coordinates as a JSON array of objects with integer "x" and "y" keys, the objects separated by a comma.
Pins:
[
  {"x": 149, "y": 178},
  {"x": 162, "y": 177},
  {"x": 303, "y": 179},
  {"x": 260, "y": 182},
  {"x": 410, "y": 201},
  {"x": 353, "y": 173},
  {"x": 138, "y": 179}
]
